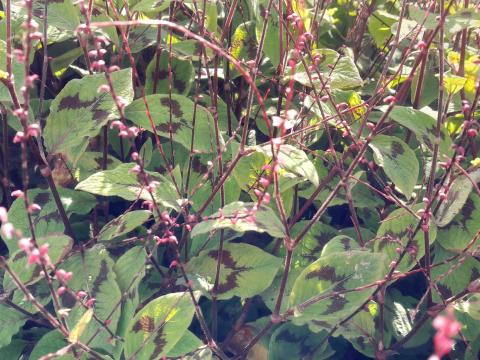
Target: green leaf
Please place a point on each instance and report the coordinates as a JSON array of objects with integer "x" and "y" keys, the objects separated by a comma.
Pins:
[
  {"x": 10, "y": 323},
  {"x": 462, "y": 19},
  {"x": 49, "y": 343},
  {"x": 123, "y": 224},
  {"x": 400, "y": 312},
  {"x": 156, "y": 328},
  {"x": 306, "y": 252},
  {"x": 398, "y": 161},
  {"x": 14, "y": 350},
  {"x": 127, "y": 185},
  {"x": 454, "y": 277},
  {"x": 265, "y": 220},
  {"x": 335, "y": 272},
  {"x": 463, "y": 227},
  {"x": 93, "y": 273},
  {"x": 130, "y": 270},
  {"x": 394, "y": 232},
  {"x": 456, "y": 198},
  {"x": 343, "y": 73},
  {"x": 297, "y": 342},
  {"x": 48, "y": 220},
  {"x": 379, "y": 26},
  {"x": 78, "y": 112},
  {"x": 272, "y": 43},
  {"x": 182, "y": 75},
  {"x": 422, "y": 125},
  {"x": 245, "y": 270},
  {"x": 180, "y": 126},
  {"x": 187, "y": 344},
  {"x": 59, "y": 247},
  {"x": 91, "y": 162},
  {"x": 295, "y": 162}
]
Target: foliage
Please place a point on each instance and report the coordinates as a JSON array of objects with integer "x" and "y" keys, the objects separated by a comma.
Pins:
[{"x": 252, "y": 179}]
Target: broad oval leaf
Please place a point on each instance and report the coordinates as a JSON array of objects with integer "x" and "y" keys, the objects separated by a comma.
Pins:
[
  {"x": 332, "y": 273},
  {"x": 397, "y": 160},
  {"x": 122, "y": 182},
  {"x": 394, "y": 233},
  {"x": 298, "y": 342},
  {"x": 180, "y": 125},
  {"x": 124, "y": 224},
  {"x": 183, "y": 74},
  {"x": 59, "y": 246},
  {"x": 245, "y": 270},
  {"x": 463, "y": 227},
  {"x": 422, "y": 125},
  {"x": 265, "y": 220},
  {"x": 456, "y": 198},
  {"x": 156, "y": 328},
  {"x": 93, "y": 273},
  {"x": 79, "y": 111}
]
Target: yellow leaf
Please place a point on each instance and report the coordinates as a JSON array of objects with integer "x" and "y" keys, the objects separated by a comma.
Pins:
[
  {"x": 453, "y": 84},
  {"x": 475, "y": 162},
  {"x": 81, "y": 326}
]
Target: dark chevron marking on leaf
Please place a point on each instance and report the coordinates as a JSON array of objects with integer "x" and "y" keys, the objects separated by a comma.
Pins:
[
  {"x": 338, "y": 303},
  {"x": 68, "y": 300},
  {"x": 346, "y": 243},
  {"x": 99, "y": 115},
  {"x": 102, "y": 276},
  {"x": 325, "y": 273},
  {"x": 475, "y": 274},
  {"x": 74, "y": 102},
  {"x": 160, "y": 341},
  {"x": 467, "y": 211},
  {"x": 41, "y": 198},
  {"x": 321, "y": 323},
  {"x": 162, "y": 74},
  {"x": 397, "y": 149},
  {"x": 444, "y": 291},
  {"x": 145, "y": 324},
  {"x": 173, "y": 105},
  {"x": 180, "y": 85},
  {"x": 169, "y": 127},
  {"x": 197, "y": 165},
  {"x": 229, "y": 263},
  {"x": 19, "y": 255}
]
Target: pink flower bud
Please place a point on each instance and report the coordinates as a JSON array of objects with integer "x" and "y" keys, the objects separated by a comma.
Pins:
[
  {"x": 25, "y": 244},
  {"x": 3, "y": 215},
  {"x": 33, "y": 130},
  {"x": 389, "y": 99},
  {"x": 8, "y": 230},
  {"x": 81, "y": 294},
  {"x": 90, "y": 302},
  {"x": 34, "y": 257},
  {"x": 19, "y": 137},
  {"x": 34, "y": 208},
  {"x": 61, "y": 290},
  {"x": 103, "y": 88}
]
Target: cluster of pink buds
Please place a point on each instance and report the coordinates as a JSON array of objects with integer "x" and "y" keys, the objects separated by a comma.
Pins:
[
  {"x": 82, "y": 295},
  {"x": 7, "y": 228},
  {"x": 35, "y": 255},
  {"x": 63, "y": 276},
  {"x": 295, "y": 20},
  {"x": 447, "y": 328},
  {"x": 125, "y": 131},
  {"x": 148, "y": 204},
  {"x": 170, "y": 239},
  {"x": 33, "y": 130}
]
